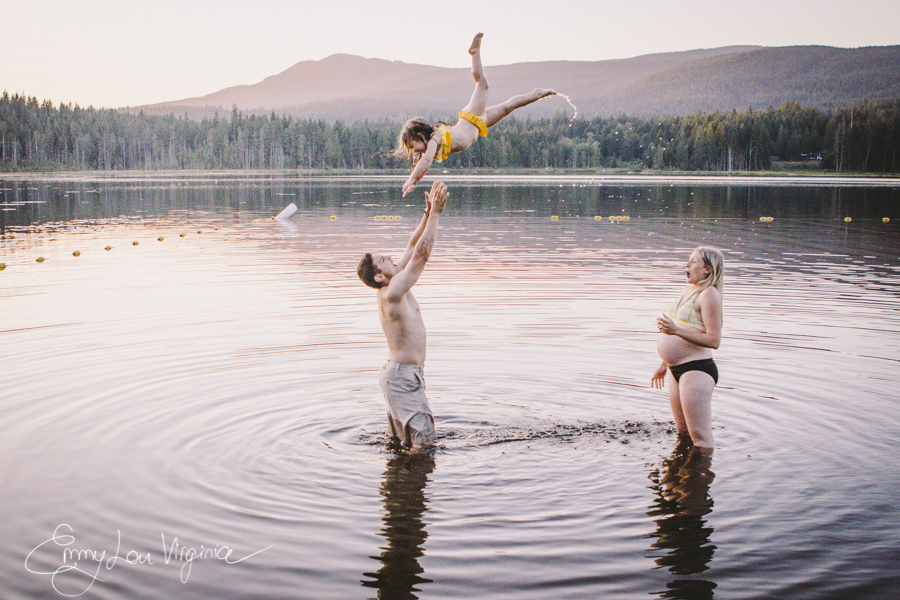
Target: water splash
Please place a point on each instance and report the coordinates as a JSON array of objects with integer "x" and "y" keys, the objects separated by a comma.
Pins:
[{"x": 572, "y": 104}]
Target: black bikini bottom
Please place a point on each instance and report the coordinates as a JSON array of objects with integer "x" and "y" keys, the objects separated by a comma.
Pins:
[{"x": 707, "y": 365}]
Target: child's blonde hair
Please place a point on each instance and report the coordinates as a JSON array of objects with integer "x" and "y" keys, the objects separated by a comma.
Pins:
[
  {"x": 715, "y": 261},
  {"x": 416, "y": 128}
]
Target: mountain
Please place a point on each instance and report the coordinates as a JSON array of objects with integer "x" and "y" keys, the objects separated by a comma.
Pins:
[
  {"x": 814, "y": 76},
  {"x": 353, "y": 88}
]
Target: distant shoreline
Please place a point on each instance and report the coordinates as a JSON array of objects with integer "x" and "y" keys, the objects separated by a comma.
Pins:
[{"x": 610, "y": 176}]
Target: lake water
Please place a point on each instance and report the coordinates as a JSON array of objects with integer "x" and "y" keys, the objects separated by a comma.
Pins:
[{"x": 199, "y": 416}]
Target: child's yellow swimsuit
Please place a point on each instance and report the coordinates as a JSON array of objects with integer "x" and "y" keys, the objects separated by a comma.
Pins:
[
  {"x": 477, "y": 121},
  {"x": 444, "y": 138}
]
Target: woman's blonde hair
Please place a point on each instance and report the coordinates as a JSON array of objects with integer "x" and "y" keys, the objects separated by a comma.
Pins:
[
  {"x": 415, "y": 129},
  {"x": 715, "y": 261}
]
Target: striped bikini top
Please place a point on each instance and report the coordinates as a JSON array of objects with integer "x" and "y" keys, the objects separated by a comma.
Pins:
[{"x": 686, "y": 312}]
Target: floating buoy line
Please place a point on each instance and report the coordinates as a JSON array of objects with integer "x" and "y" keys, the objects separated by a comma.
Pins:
[
  {"x": 289, "y": 211},
  {"x": 77, "y": 253}
]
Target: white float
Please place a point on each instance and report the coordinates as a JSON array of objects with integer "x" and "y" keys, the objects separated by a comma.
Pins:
[{"x": 287, "y": 212}]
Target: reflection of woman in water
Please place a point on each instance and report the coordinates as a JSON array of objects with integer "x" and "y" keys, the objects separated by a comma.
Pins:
[
  {"x": 682, "y": 537},
  {"x": 403, "y": 491},
  {"x": 688, "y": 335}
]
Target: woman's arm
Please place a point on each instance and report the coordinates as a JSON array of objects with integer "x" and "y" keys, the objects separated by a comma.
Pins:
[
  {"x": 710, "y": 304},
  {"x": 422, "y": 166}
]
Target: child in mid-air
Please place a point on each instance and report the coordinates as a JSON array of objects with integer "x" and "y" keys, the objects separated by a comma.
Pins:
[{"x": 436, "y": 142}]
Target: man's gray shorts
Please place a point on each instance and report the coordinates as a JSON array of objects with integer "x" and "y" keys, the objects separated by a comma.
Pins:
[{"x": 404, "y": 392}]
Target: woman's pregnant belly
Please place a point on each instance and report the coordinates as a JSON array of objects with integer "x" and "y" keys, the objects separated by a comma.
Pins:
[{"x": 673, "y": 350}]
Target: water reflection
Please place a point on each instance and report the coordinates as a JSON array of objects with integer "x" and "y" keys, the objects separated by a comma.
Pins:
[
  {"x": 24, "y": 203},
  {"x": 682, "y": 537},
  {"x": 403, "y": 491}
]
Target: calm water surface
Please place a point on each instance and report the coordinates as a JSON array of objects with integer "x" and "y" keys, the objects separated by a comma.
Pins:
[{"x": 214, "y": 395}]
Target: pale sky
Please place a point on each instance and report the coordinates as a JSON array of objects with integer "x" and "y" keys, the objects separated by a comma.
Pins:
[{"x": 112, "y": 53}]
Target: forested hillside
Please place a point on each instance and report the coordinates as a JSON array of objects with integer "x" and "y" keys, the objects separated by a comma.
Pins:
[
  {"x": 863, "y": 137},
  {"x": 811, "y": 75},
  {"x": 352, "y": 88}
]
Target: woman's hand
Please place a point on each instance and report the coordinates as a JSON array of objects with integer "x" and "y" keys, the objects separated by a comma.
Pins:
[
  {"x": 409, "y": 186},
  {"x": 658, "y": 380},
  {"x": 667, "y": 325}
]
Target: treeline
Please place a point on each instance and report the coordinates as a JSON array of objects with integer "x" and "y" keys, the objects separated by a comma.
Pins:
[{"x": 39, "y": 136}]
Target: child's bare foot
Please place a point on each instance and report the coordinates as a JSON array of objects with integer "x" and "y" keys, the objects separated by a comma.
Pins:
[
  {"x": 543, "y": 93},
  {"x": 476, "y": 43}
]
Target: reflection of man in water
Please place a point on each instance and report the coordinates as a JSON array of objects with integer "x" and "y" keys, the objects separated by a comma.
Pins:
[
  {"x": 404, "y": 502},
  {"x": 402, "y": 378},
  {"x": 682, "y": 536}
]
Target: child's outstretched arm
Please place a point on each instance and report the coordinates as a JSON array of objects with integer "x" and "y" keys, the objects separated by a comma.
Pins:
[{"x": 422, "y": 166}]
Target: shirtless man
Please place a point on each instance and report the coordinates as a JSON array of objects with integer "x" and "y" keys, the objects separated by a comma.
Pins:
[{"x": 402, "y": 378}]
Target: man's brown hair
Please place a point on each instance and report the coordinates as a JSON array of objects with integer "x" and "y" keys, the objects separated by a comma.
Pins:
[{"x": 367, "y": 271}]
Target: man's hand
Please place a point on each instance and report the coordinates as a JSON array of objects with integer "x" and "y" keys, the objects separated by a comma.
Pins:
[{"x": 437, "y": 198}]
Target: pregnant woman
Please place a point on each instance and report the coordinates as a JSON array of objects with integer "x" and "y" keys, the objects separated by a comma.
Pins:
[{"x": 688, "y": 335}]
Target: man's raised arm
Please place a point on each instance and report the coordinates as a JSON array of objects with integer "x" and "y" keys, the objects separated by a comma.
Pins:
[
  {"x": 421, "y": 251},
  {"x": 411, "y": 246}
]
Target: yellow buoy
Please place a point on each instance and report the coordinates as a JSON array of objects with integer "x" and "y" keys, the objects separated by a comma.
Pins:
[
  {"x": 886, "y": 220},
  {"x": 598, "y": 218},
  {"x": 2, "y": 266},
  {"x": 199, "y": 232},
  {"x": 273, "y": 218},
  {"x": 183, "y": 234},
  {"x": 554, "y": 218},
  {"x": 847, "y": 219},
  {"x": 76, "y": 253},
  {"x": 217, "y": 228},
  {"x": 160, "y": 238},
  {"x": 40, "y": 259},
  {"x": 333, "y": 218},
  {"x": 108, "y": 248},
  {"x": 135, "y": 243},
  {"x": 398, "y": 217}
]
